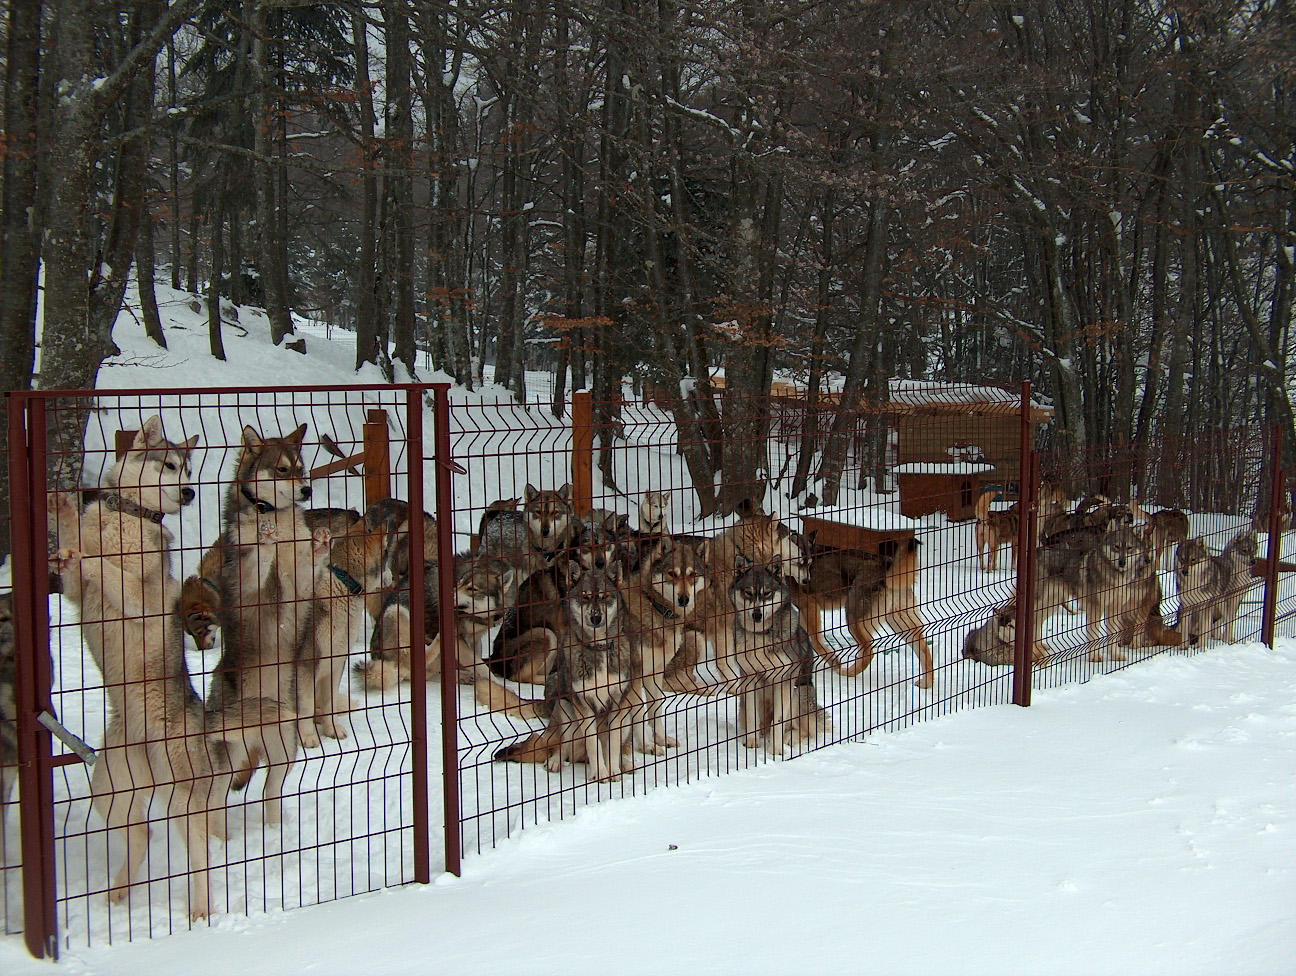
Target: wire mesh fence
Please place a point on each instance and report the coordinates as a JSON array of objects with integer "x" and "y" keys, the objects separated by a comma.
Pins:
[
  {"x": 621, "y": 596},
  {"x": 213, "y": 587}
]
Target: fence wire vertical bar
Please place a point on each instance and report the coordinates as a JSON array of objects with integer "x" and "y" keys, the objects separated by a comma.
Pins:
[
  {"x": 445, "y": 513},
  {"x": 418, "y": 638},
  {"x": 1027, "y": 505},
  {"x": 27, "y": 480},
  {"x": 1277, "y": 489}
]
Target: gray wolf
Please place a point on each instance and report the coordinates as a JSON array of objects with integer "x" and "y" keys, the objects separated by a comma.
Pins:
[
  {"x": 771, "y": 650},
  {"x": 392, "y": 516},
  {"x": 200, "y": 593},
  {"x": 270, "y": 560},
  {"x": 535, "y": 626},
  {"x": 1163, "y": 529},
  {"x": 589, "y": 683},
  {"x": 1102, "y": 580},
  {"x": 353, "y": 568},
  {"x": 992, "y": 642},
  {"x": 755, "y": 538},
  {"x": 994, "y": 530},
  {"x": 484, "y": 589},
  {"x": 116, "y": 562},
  {"x": 533, "y": 537},
  {"x": 874, "y": 589},
  {"x": 654, "y": 513},
  {"x": 1211, "y": 587},
  {"x": 666, "y": 595}
]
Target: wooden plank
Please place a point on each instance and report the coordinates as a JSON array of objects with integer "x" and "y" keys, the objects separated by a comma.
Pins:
[
  {"x": 1261, "y": 567},
  {"x": 377, "y": 457},
  {"x": 582, "y": 458}
]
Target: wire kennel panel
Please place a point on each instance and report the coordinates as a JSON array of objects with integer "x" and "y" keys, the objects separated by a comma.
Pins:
[
  {"x": 1218, "y": 480},
  {"x": 632, "y": 447},
  {"x": 355, "y": 816}
]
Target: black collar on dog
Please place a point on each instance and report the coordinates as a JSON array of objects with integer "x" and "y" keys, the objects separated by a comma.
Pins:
[
  {"x": 662, "y": 608},
  {"x": 262, "y": 506},
  {"x": 347, "y": 580},
  {"x": 115, "y": 503}
]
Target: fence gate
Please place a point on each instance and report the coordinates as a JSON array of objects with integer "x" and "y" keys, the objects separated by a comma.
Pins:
[{"x": 355, "y": 814}]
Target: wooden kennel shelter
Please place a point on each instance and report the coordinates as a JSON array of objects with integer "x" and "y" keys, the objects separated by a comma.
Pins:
[{"x": 953, "y": 440}]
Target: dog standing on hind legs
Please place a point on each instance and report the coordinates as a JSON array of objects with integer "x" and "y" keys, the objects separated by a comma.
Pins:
[
  {"x": 116, "y": 561},
  {"x": 267, "y": 585}
]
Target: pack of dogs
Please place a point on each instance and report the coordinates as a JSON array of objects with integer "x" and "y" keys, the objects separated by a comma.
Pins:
[
  {"x": 611, "y": 615},
  {"x": 1102, "y": 559}
]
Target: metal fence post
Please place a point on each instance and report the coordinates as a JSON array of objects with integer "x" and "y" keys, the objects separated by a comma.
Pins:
[
  {"x": 1277, "y": 488},
  {"x": 1027, "y": 507},
  {"x": 27, "y": 481},
  {"x": 418, "y": 638},
  {"x": 446, "y": 468}
]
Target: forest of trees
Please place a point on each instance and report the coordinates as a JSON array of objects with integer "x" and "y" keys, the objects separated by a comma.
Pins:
[{"x": 1096, "y": 195}]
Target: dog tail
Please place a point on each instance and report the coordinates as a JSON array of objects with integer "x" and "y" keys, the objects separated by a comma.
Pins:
[
  {"x": 494, "y": 696},
  {"x": 535, "y": 748},
  {"x": 902, "y": 573},
  {"x": 252, "y": 730},
  {"x": 379, "y": 674},
  {"x": 983, "y": 503}
]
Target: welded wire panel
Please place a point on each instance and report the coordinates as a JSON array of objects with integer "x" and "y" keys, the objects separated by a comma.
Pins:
[
  {"x": 1152, "y": 539},
  {"x": 876, "y": 504},
  {"x": 242, "y": 534},
  {"x": 11, "y": 922}
]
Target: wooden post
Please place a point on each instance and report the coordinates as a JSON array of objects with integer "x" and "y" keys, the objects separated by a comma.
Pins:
[
  {"x": 377, "y": 458},
  {"x": 582, "y": 461}
]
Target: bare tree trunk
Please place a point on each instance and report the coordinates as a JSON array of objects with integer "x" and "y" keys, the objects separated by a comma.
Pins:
[
  {"x": 215, "y": 338},
  {"x": 400, "y": 140},
  {"x": 274, "y": 274},
  {"x": 368, "y": 338},
  {"x": 145, "y": 264}
]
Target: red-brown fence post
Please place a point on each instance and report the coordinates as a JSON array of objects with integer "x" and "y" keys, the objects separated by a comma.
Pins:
[
  {"x": 418, "y": 637},
  {"x": 582, "y": 460},
  {"x": 30, "y": 534},
  {"x": 446, "y": 468},
  {"x": 1277, "y": 491},
  {"x": 1027, "y": 507}
]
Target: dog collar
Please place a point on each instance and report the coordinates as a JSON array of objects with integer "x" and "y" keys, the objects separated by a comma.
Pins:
[
  {"x": 209, "y": 583},
  {"x": 114, "y": 502},
  {"x": 262, "y": 506},
  {"x": 662, "y": 608},
  {"x": 347, "y": 580}
]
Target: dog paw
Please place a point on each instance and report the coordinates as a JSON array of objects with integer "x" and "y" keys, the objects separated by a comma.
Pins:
[
  {"x": 306, "y": 735},
  {"x": 554, "y": 764},
  {"x": 331, "y": 729},
  {"x": 59, "y": 504},
  {"x": 117, "y": 893},
  {"x": 751, "y": 741},
  {"x": 66, "y": 560},
  {"x": 267, "y": 533},
  {"x": 925, "y": 681},
  {"x": 1095, "y": 657}
]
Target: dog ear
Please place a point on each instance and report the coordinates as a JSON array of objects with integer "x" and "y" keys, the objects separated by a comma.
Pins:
[
  {"x": 297, "y": 436},
  {"x": 704, "y": 550},
  {"x": 809, "y": 539},
  {"x": 529, "y": 493},
  {"x": 190, "y": 444},
  {"x": 565, "y": 492},
  {"x": 614, "y": 571},
  {"x": 741, "y": 561},
  {"x": 150, "y": 434},
  {"x": 251, "y": 438}
]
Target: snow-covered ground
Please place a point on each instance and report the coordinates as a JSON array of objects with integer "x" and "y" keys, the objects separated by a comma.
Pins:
[
  {"x": 1142, "y": 822},
  {"x": 960, "y": 822}
]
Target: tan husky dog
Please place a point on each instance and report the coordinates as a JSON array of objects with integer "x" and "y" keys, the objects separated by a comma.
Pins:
[{"x": 116, "y": 561}]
